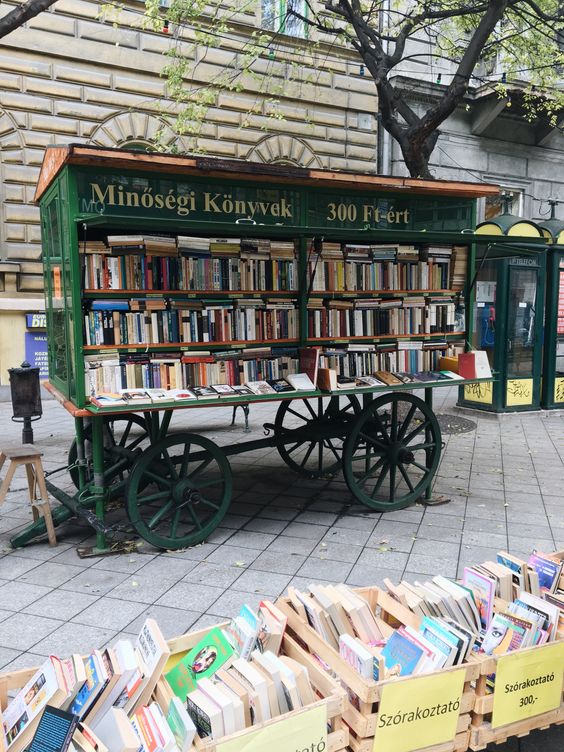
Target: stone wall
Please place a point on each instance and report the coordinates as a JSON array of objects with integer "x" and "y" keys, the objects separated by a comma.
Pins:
[{"x": 67, "y": 77}]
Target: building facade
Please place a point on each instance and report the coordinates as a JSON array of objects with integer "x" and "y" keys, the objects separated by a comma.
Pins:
[{"x": 68, "y": 77}]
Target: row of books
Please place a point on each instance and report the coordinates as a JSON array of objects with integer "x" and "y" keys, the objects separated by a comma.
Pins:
[
  {"x": 455, "y": 620},
  {"x": 135, "y": 398},
  {"x": 144, "y": 272},
  {"x": 97, "y": 693},
  {"x": 197, "y": 321},
  {"x": 137, "y": 697},
  {"x": 368, "y": 267},
  {"x": 379, "y": 317},
  {"x": 328, "y": 369}
]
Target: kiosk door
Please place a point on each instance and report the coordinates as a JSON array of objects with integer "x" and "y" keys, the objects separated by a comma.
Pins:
[{"x": 523, "y": 335}]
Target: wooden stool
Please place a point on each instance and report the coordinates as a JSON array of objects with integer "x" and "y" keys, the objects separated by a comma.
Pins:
[{"x": 30, "y": 457}]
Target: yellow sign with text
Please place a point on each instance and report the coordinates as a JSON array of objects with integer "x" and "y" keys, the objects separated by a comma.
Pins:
[
  {"x": 519, "y": 392},
  {"x": 528, "y": 683},
  {"x": 419, "y": 712},
  {"x": 481, "y": 392},
  {"x": 306, "y": 731},
  {"x": 559, "y": 389}
]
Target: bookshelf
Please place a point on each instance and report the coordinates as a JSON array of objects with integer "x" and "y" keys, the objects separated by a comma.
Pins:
[{"x": 172, "y": 272}]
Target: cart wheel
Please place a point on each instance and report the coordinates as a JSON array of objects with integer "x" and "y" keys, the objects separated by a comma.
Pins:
[
  {"x": 316, "y": 451},
  {"x": 392, "y": 453},
  {"x": 124, "y": 433},
  {"x": 179, "y": 491}
]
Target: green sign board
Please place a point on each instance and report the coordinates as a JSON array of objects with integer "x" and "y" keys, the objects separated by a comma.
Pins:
[{"x": 156, "y": 196}]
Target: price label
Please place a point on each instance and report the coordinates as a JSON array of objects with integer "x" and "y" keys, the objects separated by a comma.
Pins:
[
  {"x": 299, "y": 732},
  {"x": 528, "y": 683},
  {"x": 420, "y": 712}
]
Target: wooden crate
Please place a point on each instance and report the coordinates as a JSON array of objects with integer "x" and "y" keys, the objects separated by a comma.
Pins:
[
  {"x": 330, "y": 694},
  {"x": 481, "y": 731},
  {"x": 361, "y": 717}
]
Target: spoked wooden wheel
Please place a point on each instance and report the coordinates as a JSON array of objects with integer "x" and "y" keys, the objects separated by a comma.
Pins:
[
  {"x": 179, "y": 491},
  {"x": 392, "y": 453},
  {"x": 123, "y": 435},
  {"x": 320, "y": 426}
]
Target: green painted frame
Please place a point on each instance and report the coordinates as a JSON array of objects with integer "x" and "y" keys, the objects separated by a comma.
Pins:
[{"x": 554, "y": 260}]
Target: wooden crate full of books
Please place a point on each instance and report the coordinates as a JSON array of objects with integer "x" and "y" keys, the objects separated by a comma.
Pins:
[
  {"x": 521, "y": 648},
  {"x": 408, "y": 679},
  {"x": 241, "y": 684}
]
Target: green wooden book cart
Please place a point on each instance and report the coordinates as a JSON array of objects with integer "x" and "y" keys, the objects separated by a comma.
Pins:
[{"x": 176, "y": 486}]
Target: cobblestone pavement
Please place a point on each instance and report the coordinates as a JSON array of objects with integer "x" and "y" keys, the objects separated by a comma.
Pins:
[{"x": 504, "y": 481}]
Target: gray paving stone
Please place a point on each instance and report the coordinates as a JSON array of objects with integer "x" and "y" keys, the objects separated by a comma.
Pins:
[
  {"x": 7, "y": 655},
  {"x": 272, "y": 512},
  {"x": 265, "y": 525},
  {"x": 172, "y": 622},
  {"x": 207, "y": 621},
  {"x": 94, "y": 582},
  {"x": 142, "y": 589},
  {"x": 190, "y": 596},
  {"x": 23, "y": 631},
  {"x": 127, "y": 563},
  {"x": 74, "y": 638},
  {"x": 362, "y": 522},
  {"x": 254, "y": 580},
  {"x": 307, "y": 531},
  {"x": 12, "y": 567},
  {"x": 441, "y": 549},
  {"x": 337, "y": 552},
  {"x": 344, "y": 536},
  {"x": 471, "y": 538},
  {"x": 229, "y": 603},
  {"x": 363, "y": 576},
  {"x": 207, "y": 573},
  {"x": 221, "y": 535},
  {"x": 166, "y": 567},
  {"x": 337, "y": 571},
  {"x": 21, "y": 660},
  {"x": 431, "y": 565},
  {"x": 317, "y": 517},
  {"x": 291, "y": 545},
  {"x": 276, "y": 561},
  {"x": 196, "y": 553},
  {"x": 59, "y": 605},
  {"x": 383, "y": 559},
  {"x": 250, "y": 539},
  {"x": 519, "y": 530},
  {"x": 113, "y": 614},
  {"x": 17, "y": 595},
  {"x": 50, "y": 574},
  {"x": 231, "y": 556}
]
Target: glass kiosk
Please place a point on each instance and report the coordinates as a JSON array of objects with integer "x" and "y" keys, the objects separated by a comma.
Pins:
[
  {"x": 553, "y": 364},
  {"x": 507, "y": 307}
]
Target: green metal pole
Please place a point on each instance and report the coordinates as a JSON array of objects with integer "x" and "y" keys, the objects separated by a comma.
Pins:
[
  {"x": 80, "y": 455},
  {"x": 98, "y": 489},
  {"x": 429, "y": 403}
]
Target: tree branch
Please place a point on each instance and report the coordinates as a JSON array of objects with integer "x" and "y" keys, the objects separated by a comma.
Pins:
[{"x": 22, "y": 13}]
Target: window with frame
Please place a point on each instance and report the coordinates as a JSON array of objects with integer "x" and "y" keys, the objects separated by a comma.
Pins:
[{"x": 277, "y": 16}]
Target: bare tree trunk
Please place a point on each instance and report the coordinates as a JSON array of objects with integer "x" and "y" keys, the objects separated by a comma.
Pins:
[{"x": 22, "y": 13}]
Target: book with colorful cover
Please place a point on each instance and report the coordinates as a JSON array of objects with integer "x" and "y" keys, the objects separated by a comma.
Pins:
[
  {"x": 96, "y": 677},
  {"x": 502, "y": 636},
  {"x": 484, "y": 593},
  {"x": 401, "y": 657},
  {"x": 205, "y": 658},
  {"x": 548, "y": 570}
]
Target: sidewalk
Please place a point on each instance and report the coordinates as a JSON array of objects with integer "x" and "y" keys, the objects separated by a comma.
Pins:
[{"x": 504, "y": 481}]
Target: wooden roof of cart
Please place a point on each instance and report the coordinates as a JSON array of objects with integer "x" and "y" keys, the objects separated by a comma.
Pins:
[{"x": 56, "y": 157}]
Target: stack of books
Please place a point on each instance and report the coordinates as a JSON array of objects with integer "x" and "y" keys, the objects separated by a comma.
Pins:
[{"x": 136, "y": 697}]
